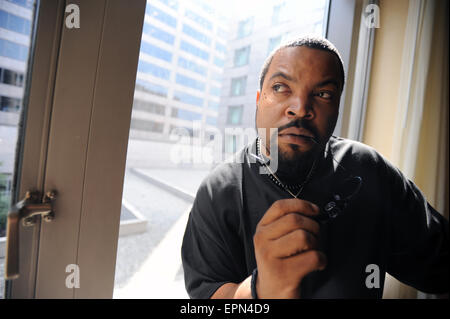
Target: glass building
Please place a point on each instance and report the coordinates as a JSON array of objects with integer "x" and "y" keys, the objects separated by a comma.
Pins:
[
  {"x": 15, "y": 33},
  {"x": 183, "y": 53}
]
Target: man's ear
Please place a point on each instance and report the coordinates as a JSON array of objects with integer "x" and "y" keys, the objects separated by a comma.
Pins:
[{"x": 258, "y": 94}]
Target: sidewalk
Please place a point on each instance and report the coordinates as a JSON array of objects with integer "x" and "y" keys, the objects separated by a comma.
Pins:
[{"x": 149, "y": 264}]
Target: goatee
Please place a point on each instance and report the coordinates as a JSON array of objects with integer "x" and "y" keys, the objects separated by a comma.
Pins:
[{"x": 294, "y": 169}]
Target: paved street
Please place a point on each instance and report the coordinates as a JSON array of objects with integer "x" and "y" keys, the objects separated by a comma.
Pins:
[{"x": 149, "y": 264}]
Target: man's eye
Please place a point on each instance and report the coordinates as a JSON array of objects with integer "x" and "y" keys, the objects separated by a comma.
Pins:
[
  {"x": 325, "y": 95},
  {"x": 279, "y": 87}
]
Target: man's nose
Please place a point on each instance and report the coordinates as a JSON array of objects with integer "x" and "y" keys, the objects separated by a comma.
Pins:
[{"x": 300, "y": 106}]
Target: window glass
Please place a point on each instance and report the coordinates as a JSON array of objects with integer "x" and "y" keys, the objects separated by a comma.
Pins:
[
  {"x": 202, "y": 21},
  {"x": 213, "y": 105},
  {"x": 211, "y": 120},
  {"x": 273, "y": 43},
  {"x": 238, "y": 86},
  {"x": 15, "y": 43},
  {"x": 150, "y": 68},
  {"x": 188, "y": 98},
  {"x": 147, "y": 125},
  {"x": 13, "y": 50},
  {"x": 14, "y": 23},
  {"x": 192, "y": 49},
  {"x": 185, "y": 114},
  {"x": 170, "y": 3},
  {"x": 152, "y": 88},
  {"x": 197, "y": 35},
  {"x": 24, "y": 3},
  {"x": 156, "y": 51},
  {"x": 157, "y": 33},
  {"x": 214, "y": 90},
  {"x": 219, "y": 62},
  {"x": 190, "y": 65},
  {"x": 234, "y": 116},
  {"x": 160, "y": 15},
  {"x": 245, "y": 27},
  {"x": 198, "y": 71},
  {"x": 189, "y": 82},
  {"x": 151, "y": 107},
  {"x": 279, "y": 13},
  {"x": 241, "y": 56},
  {"x": 221, "y": 48}
]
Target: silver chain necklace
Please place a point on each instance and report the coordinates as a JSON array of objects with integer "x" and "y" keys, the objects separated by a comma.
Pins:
[{"x": 274, "y": 178}]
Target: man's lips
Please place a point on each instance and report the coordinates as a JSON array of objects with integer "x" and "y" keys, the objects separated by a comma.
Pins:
[{"x": 296, "y": 132}]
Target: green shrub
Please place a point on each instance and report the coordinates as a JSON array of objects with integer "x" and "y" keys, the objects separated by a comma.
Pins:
[{"x": 4, "y": 206}]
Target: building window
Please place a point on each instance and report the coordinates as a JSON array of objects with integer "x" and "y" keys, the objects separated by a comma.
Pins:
[
  {"x": 204, "y": 5},
  {"x": 211, "y": 120},
  {"x": 219, "y": 62},
  {"x": 14, "y": 23},
  {"x": 245, "y": 27},
  {"x": 9, "y": 104},
  {"x": 230, "y": 143},
  {"x": 161, "y": 15},
  {"x": 151, "y": 88},
  {"x": 196, "y": 34},
  {"x": 146, "y": 125},
  {"x": 23, "y": 3},
  {"x": 234, "y": 116},
  {"x": 273, "y": 43},
  {"x": 158, "y": 33},
  {"x": 241, "y": 56},
  {"x": 221, "y": 48},
  {"x": 214, "y": 90},
  {"x": 198, "y": 19},
  {"x": 13, "y": 50},
  {"x": 238, "y": 86},
  {"x": 192, "y": 49},
  {"x": 279, "y": 13},
  {"x": 213, "y": 105},
  {"x": 155, "y": 51},
  {"x": 185, "y": 114},
  {"x": 192, "y": 66},
  {"x": 11, "y": 77},
  {"x": 170, "y": 3},
  {"x": 188, "y": 98},
  {"x": 150, "y": 107},
  {"x": 190, "y": 82},
  {"x": 149, "y": 68}
]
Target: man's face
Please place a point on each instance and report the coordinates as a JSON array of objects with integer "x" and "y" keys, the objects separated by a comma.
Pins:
[{"x": 300, "y": 96}]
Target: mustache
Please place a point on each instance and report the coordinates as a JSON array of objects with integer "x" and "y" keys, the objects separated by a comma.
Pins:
[{"x": 303, "y": 124}]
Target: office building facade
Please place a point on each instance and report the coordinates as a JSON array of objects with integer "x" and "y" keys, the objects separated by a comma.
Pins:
[
  {"x": 183, "y": 53},
  {"x": 15, "y": 33}
]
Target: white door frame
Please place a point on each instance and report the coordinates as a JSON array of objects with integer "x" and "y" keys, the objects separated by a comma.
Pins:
[{"x": 75, "y": 142}]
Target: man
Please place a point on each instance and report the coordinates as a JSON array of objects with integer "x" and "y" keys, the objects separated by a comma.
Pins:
[{"x": 264, "y": 236}]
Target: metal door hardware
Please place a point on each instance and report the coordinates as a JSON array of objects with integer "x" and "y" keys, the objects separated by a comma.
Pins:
[{"x": 28, "y": 211}]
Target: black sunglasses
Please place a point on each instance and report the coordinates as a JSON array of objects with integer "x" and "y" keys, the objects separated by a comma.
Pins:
[{"x": 336, "y": 205}]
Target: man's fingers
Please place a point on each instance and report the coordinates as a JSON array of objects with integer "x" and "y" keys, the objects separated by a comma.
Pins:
[
  {"x": 289, "y": 223},
  {"x": 307, "y": 262},
  {"x": 292, "y": 243},
  {"x": 286, "y": 206}
]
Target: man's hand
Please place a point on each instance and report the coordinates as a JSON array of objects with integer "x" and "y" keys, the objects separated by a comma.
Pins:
[{"x": 286, "y": 241}]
